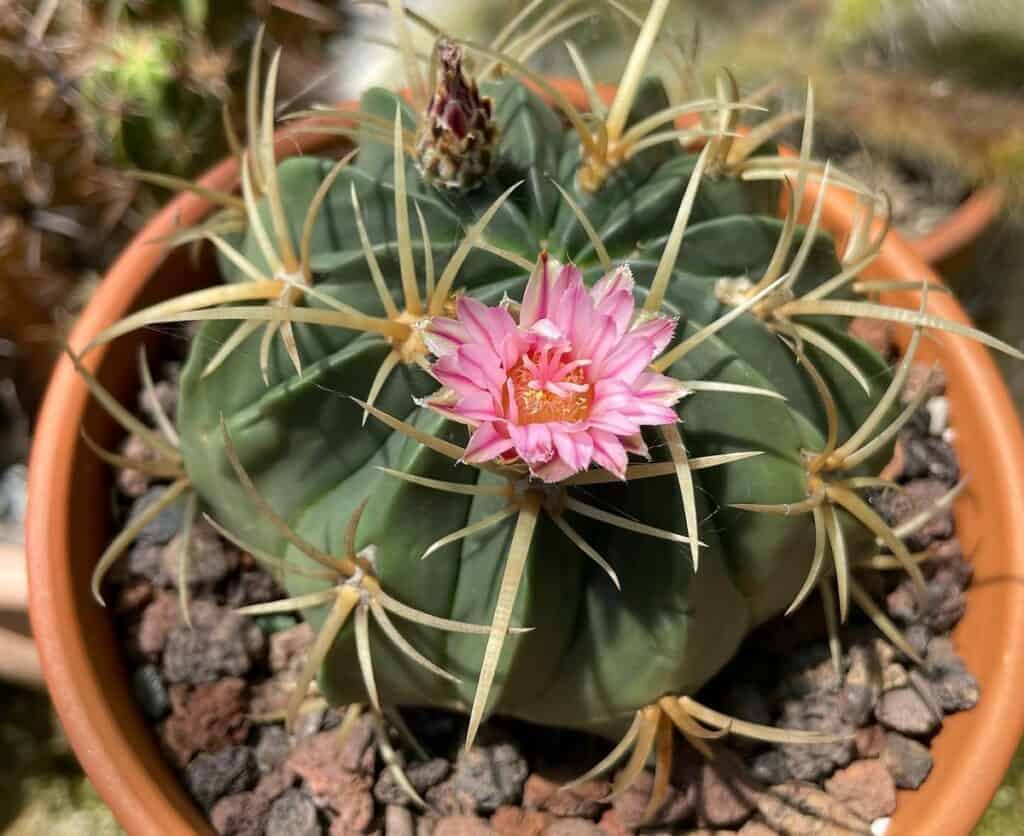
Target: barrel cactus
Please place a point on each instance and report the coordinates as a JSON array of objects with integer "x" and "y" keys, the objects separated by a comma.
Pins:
[{"x": 555, "y": 400}]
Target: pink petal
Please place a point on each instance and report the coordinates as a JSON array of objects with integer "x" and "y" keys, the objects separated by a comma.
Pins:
[
  {"x": 553, "y": 471},
  {"x": 570, "y": 298},
  {"x": 488, "y": 442},
  {"x": 635, "y": 444},
  {"x": 455, "y": 375},
  {"x": 532, "y": 443},
  {"x": 627, "y": 359},
  {"x": 484, "y": 325},
  {"x": 609, "y": 453},
  {"x": 443, "y": 336},
  {"x": 621, "y": 278},
  {"x": 659, "y": 388},
  {"x": 574, "y": 448},
  {"x": 659, "y": 330},
  {"x": 537, "y": 298}
]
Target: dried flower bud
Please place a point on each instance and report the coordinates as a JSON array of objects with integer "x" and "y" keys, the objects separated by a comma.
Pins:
[{"x": 456, "y": 142}]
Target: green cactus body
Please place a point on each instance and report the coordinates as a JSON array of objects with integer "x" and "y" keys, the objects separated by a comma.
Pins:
[{"x": 596, "y": 654}]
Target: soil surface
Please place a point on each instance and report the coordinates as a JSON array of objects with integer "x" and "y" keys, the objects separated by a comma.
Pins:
[{"x": 215, "y": 692}]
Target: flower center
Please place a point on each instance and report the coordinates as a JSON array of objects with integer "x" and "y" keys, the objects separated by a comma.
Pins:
[{"x": 546, "y": 386}]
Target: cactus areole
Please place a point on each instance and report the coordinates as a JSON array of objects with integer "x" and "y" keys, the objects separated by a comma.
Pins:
[{"x": 537, "y": 414}]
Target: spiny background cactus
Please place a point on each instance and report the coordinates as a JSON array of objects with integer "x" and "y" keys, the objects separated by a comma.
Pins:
[{"x": 591, "y": 595}]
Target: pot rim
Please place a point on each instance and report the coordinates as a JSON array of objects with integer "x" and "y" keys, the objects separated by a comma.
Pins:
[{"x": 137, "y": 789}]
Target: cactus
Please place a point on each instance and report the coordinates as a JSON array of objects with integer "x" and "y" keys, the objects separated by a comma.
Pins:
[{"x": 589, "y": 376}]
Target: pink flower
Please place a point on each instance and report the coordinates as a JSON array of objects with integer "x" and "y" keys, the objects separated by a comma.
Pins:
[{"x": 566, "y": 386}]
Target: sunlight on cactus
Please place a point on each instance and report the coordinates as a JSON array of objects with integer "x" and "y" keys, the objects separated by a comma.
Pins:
[{"x": 591, "y": 340}]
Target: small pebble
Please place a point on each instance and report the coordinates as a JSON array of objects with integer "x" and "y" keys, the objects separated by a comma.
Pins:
[
  {"x": 908, "y": 761},
  {"x": 209, "y": 777},
  {"x": 491, "y": 775},
  {"x": 164, "y": 525},
  {"x": 293, "y": 814},
  {"x": 150, "y": 692}
]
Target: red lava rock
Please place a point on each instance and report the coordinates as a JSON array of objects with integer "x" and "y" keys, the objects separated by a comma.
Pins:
[
  {"x": 869, "y": 741},
  {"x": 573, "y": 827},
  {"x": 905, "y": 710},
  {"x": 462, "y": 826},
  {"x": 212, "y": 776},
  {"x": 242, "y": 814},
  {"x": 756, "y": 828},
  {"x": 611, "y": 824},
  {"x": 206, "y": 719},
  {"x": 449, "y": 800},
  {"x": 919, "y": 496},
  {"x": 679, "y": 804},
  {"x": 799, "y": 809},
  {"x": 515, "y": 821},
  {"x": 727, "y": 794},
  {"x": 877, "y": 334},
  {"x": 219, "y": 643},
  {"x": 356, "y": 752},
  {"x": 210, "y": 560},
  {"x": 866, "y": 788},
  {"x": 293, "y": 814},
  {"x": 398, "y": 821},
  {"x": 158, "y": 620},
  {"x": 288, "y": 648},
  {"x": 908, "y": 761},
  {"x": 317, "y": 761},
  {"x": 271, "y": 695},
  {"x": 582, "y": 801},
  {"x": 355, "y": 811}
]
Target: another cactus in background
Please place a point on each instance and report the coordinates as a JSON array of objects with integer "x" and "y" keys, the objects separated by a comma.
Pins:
[{"x": 313, "y": 428}]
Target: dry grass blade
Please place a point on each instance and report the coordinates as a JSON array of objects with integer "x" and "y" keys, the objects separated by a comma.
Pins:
[
  {"x": 427, "y": 620},
  {"x": 882, "y": 622},
  {"x": 747, "y": 144},
  {"x": 594, "y": 100},
  {"x": 157, "y": 468},
  {"x": 585, "y": 510},
  {"x": 362, "y": 634},
  {"x": 269, "y": 559},
  {"x": 285, "y": 313},
  {"x": 252, "y": 212},
  {"x": 295, "y": 604},
  {"x": 123, "y": 417},
  {"x": 695, "y": 734},
  {"x": 858, "y": 508},
  {"x": 814, "y": 337},
  {"x": 586, "y": 548},
  {"x": 344, "y": 567},
  {"x": 238, "y": 336},
  {"x": 470, "y": 530},
  {"x": 828, "y": 402},
  {"x": 901, "y": 316},
  {"x": 428, "y": 255},
  {"x": 128, "y": 535},
  {"x": 345, "y": 602},
  {"x": 252, "y": 99},
  {"x": 817, "y": 561},
  {"x": 413, "y": 75},
  {"x": 732, "y": 388},
  {"x": 507, "y": 255},
  {"x": 588, "y": 227},
  {"x": 840, "y": 558},
  {"x": 265, "y": 148},
  {"x": 438, "y": 445},
  {"x": 835, "y": 647},
  {"x": 473, "y": 235},
  {"x": 694, "y": 340},
  {"x": 670, "y": 253},
  {"x": 920, "y": 519},
  {"x": 399, "y": 641},
  {"x": 185, "y": 556},
  {"x": 879, "y": 441},
  {"x": 810, "y": 232},
  {"x": 802, "y": 506},
  {"x": 664, "y": 744},
  {"x": 180, "y": 184},
  {"x": 650, "y": 470},
  {"x": 650, "y": 718},
  {"x": 609, "y": 760},
  {"x": 386, "y": 299},
  {"x": 394, "y": 765},
  {"x": 755, "y": 731},
  {"x": 407, "y": 266},
  {"x": 635, "y": 65},
  {"x": 387, "y": 366},
  {"x": 515, "y": 563},
  {"x": 315, "y": 205},
  {"x": 677, "y": 450},
  {"x": 449, "y": 487}
]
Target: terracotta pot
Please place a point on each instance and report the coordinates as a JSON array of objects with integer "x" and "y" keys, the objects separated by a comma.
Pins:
[
  {"x": 68, "y": 525},
  {"x": 962, "y": 228}
]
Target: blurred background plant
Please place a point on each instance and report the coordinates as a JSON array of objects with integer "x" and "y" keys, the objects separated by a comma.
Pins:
[{"x": 923, "y": 97}]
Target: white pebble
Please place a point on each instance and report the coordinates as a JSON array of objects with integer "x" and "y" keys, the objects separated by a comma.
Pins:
[
  {"x": 938, "y": 413},
  {"x": 880, "y": 826}
]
